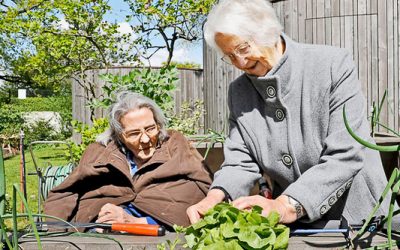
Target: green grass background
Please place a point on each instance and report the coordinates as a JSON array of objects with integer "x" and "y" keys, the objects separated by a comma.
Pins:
[{"x": 45, "y": 156}]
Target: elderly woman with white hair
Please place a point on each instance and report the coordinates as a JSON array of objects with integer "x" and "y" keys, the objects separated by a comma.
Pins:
[
  {"x": 136, "y": 172},
  {"x": 286, "y": 122}
]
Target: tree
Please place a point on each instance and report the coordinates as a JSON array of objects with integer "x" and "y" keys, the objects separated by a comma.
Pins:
[
  {"x": 168, "y": 21},
  {"x": 43, "y": 43}
]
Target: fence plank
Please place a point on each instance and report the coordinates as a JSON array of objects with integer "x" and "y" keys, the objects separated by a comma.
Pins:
[
  {"x": 390, "y": 62},
  {"x": 382, "y": 56},
  {"x": 302, "y": 9}
]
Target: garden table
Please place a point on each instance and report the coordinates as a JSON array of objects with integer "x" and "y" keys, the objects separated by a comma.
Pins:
[{"x": 317, "y": 241}]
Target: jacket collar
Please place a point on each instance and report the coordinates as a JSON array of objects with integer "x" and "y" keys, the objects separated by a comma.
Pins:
[
  {"x": 161, "y": 155},
  {"x": 279, "y": 75},
  {"x": 114, "y": 156}
]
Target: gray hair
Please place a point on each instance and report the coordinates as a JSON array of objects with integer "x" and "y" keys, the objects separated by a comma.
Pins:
[
  {"x": 126, "y": 101},
  {"x": 249, "y": 19}
]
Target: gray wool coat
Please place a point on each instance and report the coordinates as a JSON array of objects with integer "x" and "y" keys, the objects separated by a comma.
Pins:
[{"x": 289, "y": 124}]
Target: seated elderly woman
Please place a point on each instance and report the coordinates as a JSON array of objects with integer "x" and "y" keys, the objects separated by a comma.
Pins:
[{"x": 136, "y": 172}]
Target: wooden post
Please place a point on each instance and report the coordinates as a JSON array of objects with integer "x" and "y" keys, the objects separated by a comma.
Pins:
[
  {"x": 2, "y": 184},
  {"x": 22, "y": 167}
]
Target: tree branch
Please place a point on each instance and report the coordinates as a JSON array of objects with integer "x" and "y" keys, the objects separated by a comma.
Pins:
[
  {"x": 13, "y": 79},
  {"x": 89, "y": 38},
  {"x": 21, "y": 11}
]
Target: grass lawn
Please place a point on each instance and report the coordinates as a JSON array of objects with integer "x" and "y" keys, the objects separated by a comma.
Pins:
[{"x": 45, "y": 156}]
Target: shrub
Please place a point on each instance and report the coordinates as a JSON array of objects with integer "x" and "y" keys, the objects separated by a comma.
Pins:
[
  {"x": 11, "y": 115},
  {"x": 158, "y": 85},
  {"x": 41, "y": 130},
  {"x": 89, "y": 134},
  {"x": 188, "y": 119}
]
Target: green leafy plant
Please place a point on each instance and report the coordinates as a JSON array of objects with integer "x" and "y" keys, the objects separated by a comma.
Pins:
[
  {"x": 226, "y": 227},
  {"x": 10, "y": 121},
  {"x": 41, "y": 130},
  {"x": 375, "y": 117},
  {"x": 89, "y": 134},
  {"x": 158, "y": 85},
  {"x": 187, "y": 120},
  {"x": 210, "y": 138},
  {"x": 393, "y": 185}
]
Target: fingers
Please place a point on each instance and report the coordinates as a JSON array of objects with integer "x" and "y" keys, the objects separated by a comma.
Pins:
[
  {"x": 249, "y": 201},
  {"x": 107, "y": 208},
  {"x": 110, "y": 213},
  {"x": 196, "y": 212},
  {"x": 108, "y": 218},
  {"x": 193, "y": 214}
]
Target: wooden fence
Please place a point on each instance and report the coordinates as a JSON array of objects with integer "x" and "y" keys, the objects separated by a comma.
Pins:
[{"x": 368, "y": 29}]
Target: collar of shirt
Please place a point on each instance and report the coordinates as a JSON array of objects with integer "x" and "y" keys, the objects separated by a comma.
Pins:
[{"x": 132, "y": 163}]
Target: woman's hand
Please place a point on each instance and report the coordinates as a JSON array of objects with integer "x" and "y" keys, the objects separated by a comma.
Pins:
[
  {"x": 110, "y": 213},
  {"x": 281, "y": 205},
  {"x": 196, "y": 212}
]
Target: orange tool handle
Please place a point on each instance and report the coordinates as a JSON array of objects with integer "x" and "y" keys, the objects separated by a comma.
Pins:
[{"x": 139, "y": 229}]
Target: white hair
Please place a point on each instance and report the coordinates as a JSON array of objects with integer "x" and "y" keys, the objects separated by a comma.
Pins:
[
  {"x": 248, "y": 19},
  {"x": 127, "y": 101}
]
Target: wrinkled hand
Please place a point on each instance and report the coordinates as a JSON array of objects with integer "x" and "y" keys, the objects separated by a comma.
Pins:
[
  {"x": 110, "y": 213},
  {"x": 281, "y": 205},
  {"x": 197, "y": 211}
]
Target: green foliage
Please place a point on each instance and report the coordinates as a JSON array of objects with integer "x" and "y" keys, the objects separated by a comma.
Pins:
[
  {"x": 170, "y": 21},
  {"x": 45, "y": 42},
  {"x": 226, "y": 227},
  {"x": 11, "y": 116},
  {"x": 41, "y": 130},
  {"x": 158, "y": 85},
  {"x": 10, "y": 121},
  {"x": 210, "y": 138},
  {"x": 393, "y": 183},
  {"x": 187, "y": 120},
  {"x": 89, "y": 134},
  {"x": 183, "y": 65},
  {"x": 45, "y": 156}
]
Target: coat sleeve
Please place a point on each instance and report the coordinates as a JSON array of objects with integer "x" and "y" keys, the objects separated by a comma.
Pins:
[
  {"x": 63, "y": 200},
  {"x": 191, "y": 162},
  {"x": 239, "y": 171},
  {"x": 342, "y": 157}
]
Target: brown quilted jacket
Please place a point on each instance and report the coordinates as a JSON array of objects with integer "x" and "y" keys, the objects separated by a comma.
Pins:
[{"x": 164, "y": 187}]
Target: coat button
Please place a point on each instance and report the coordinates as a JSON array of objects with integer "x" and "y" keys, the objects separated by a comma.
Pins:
[
  {"x": 271, "y": 92},
  {"x": 339, "y": 193},
  {"x": 279, "y": 114},
  {"x": 348, "y": 185},
  {"x": 323, "y": 209},
  {"x": 287, "y": 159},
  {"x": 332, "y": 200}
]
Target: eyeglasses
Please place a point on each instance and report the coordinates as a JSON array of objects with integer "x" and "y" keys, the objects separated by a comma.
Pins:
[
  {"x": 135, "y": 135},
  {"x": 241, "y": 50}
]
